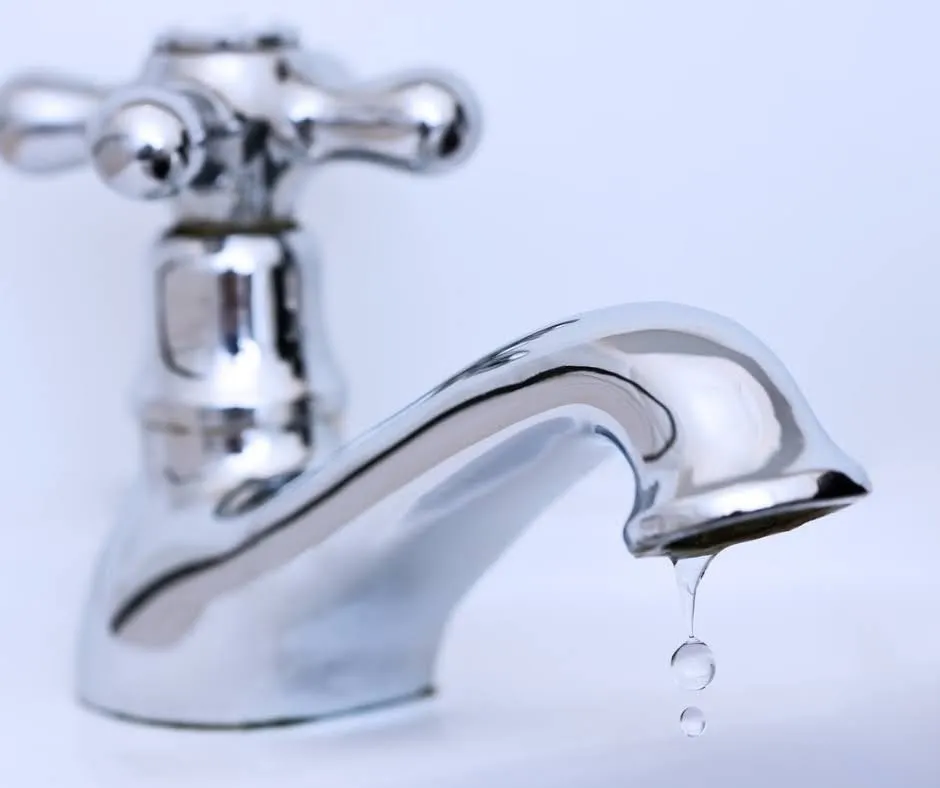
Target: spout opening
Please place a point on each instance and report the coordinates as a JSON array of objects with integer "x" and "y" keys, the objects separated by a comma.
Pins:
[
  {"x": 709, "y": 522},
  {"x": 745, "y": 528}
]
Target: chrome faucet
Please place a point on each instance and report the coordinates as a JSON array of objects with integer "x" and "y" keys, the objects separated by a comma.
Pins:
[{"x": 263, "y": 571}]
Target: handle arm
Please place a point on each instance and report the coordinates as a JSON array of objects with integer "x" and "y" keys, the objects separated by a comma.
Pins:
[
  {"x": 423, "y": 122},
  {"x": 44, "y": 120}
]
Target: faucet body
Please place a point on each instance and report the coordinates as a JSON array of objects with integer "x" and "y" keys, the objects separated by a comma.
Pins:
[
  {"x": 326, "y": 592},
  {"x": 263, "y": 571}
]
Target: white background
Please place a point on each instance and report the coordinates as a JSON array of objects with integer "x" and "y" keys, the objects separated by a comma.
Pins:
[{"x": 777, "y": 162}]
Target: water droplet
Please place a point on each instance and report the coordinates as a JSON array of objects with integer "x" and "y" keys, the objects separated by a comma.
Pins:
[
  {"x": 693, "y": 665},
  {"x": 692, "y": 721}
]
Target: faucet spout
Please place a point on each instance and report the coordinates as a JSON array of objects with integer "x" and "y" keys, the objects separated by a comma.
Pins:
[{"x": 327, "y": 590}]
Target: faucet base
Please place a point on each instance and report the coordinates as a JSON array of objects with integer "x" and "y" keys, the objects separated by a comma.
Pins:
[
  {"x": 269, "y": 693},
  {"x": 426, "y": 694}
]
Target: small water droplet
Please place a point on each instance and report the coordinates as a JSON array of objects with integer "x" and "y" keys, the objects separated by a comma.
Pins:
[
  {"x": 693, "y": 665},
  {"x": 692, "y": 721}
]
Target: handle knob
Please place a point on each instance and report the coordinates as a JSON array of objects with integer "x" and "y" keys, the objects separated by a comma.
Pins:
[{"x": 151, "y": 142}]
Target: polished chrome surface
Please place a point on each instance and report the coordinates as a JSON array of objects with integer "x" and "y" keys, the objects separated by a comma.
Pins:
[
  {"x": 261, "y": 571},
  {"x": 292, "y": 597},
  {"x": 240, "y": 380},
  {"x": 228, "y": 126}
]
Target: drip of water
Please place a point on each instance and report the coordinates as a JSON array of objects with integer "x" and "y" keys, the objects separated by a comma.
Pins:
[
  {"x": 692, "y": 721},
  {"x": 689, "y": 573},
  {"x": 693, "y": 663}
]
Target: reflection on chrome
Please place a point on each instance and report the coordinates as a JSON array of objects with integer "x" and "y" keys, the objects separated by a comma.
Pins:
[{"x": 261, "y": 571}]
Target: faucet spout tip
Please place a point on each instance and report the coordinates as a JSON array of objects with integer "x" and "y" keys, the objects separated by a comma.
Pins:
[{"x": 710, "y": 522}]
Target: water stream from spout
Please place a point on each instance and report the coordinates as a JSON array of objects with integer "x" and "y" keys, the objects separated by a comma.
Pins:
[{"x": 693, "y": 664}]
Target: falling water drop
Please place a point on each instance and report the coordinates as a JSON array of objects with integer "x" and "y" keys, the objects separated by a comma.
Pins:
[
  {"x": 692, "y": 721},
  {"x": 693, "y": 665}
]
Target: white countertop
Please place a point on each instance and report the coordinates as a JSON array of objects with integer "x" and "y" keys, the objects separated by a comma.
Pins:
[{"x": 555, "y": 671}]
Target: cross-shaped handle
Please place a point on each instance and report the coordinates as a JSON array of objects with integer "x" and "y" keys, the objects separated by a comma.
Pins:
[{"x": 223, "y": 123}]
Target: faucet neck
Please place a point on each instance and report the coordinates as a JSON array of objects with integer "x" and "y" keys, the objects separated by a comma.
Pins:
[{"x": 240, "y": 383}]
